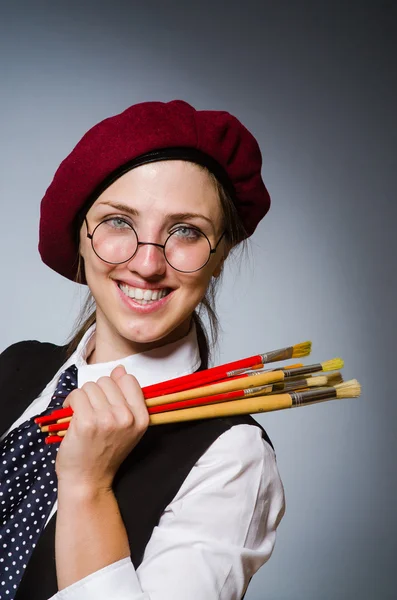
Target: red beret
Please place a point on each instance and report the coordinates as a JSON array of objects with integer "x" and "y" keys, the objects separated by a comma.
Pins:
[{"x": 143, "y": 133}]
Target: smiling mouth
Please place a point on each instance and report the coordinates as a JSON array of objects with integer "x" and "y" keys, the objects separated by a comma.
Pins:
[{"x": 143, "y": 296}]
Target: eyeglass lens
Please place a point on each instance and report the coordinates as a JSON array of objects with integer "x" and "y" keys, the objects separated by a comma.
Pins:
[{"x": 186, "y": 249}]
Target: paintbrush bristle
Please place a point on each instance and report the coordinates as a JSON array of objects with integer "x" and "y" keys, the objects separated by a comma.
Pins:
[
  {"x": 302, "y": 349},
  {"x": 320, "y": 381},
  {"x": 348, "y": 389},
  {"x": 334, "y": 379},
  {"x": 332, "y": 365}
]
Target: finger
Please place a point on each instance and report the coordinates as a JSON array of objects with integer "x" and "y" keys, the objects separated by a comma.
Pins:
[
  {"x": 115, "y": 375},
  {"x": 97, "y": 394},
  {"x": 112, "y": 391},
  {"x": 135, "y": 400},
  {"x": 111, "y": 408},
  {"x": 127, "y": 413},
  {"x": 69, "y": 400},
  {"x": 81, "y": 405},
  {"x": 66, "y": 402},
  {"x": 118, "y": 372}
]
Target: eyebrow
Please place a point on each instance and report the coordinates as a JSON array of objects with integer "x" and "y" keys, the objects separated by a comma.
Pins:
[{"x": 177, "y": 216}]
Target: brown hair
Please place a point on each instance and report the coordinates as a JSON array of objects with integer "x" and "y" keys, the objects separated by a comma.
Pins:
[{"x": 235, "y": 234}]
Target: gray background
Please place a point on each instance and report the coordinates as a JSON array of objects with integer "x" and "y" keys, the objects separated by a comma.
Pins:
[{"x": 316, "y": 83}]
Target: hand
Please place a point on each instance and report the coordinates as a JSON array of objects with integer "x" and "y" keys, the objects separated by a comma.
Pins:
[{"x": 109, "y": 419}]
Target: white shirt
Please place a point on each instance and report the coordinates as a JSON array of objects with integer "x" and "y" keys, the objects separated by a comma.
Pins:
[{"x": 219, "y": 529}]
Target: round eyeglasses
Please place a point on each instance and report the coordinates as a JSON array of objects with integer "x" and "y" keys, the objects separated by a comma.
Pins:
[{"x": 186, "y": 249}]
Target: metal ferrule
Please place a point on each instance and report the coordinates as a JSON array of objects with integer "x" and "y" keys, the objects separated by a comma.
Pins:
[
  {"x": 300, "y": 398},
  {"x": 303, "y": 370},
  {"x": 282, "y": 354},
  {"x": 256, "y": 372},
  {"x": 292, "y": 385},
  {"x": 258, "y": 388},
  {"x": 237, "y": 372}
]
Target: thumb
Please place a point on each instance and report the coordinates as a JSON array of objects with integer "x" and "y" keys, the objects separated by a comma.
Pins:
[{"x": 118, "y": 372}]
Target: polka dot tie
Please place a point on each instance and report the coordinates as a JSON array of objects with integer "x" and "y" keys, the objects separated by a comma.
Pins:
[{"x": 28, "y": 489}]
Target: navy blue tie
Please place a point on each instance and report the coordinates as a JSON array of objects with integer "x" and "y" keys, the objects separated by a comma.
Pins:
[{"x": 28, "y": 489}]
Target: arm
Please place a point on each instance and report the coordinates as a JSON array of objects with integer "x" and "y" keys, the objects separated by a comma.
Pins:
[
  {"x": 86, "y": 518},
  {"x": 216, "y": 533},
  {"x": 221, "y": 526},
  {"x": 110, "y": 417}
]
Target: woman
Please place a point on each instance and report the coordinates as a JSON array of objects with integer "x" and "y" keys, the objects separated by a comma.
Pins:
[{"x": 144, "y": 211}]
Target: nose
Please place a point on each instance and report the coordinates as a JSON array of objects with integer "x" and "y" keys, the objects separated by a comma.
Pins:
[{"x": 149, "y": 260}]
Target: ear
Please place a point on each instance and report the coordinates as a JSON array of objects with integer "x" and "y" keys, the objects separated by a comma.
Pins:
[
  {"x": 218, "y": 269},
  {"x": 82, "y": 238},
  {"x": 219, "y": 266}
]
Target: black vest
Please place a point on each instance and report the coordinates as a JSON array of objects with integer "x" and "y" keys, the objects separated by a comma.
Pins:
[{"x": 155, "y": 469}]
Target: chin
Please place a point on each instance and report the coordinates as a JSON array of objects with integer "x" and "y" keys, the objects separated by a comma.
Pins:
[
  {"x": 151, "y": 333},
  {"x": 143, "y": 334}
]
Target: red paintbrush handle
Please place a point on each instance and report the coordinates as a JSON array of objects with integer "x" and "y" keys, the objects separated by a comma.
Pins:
[
  {"x": 162, "y": 408},
  {"x": 51, "y": 439},
  {"x": 60, "y": 413},
  {"x": 227, "y": 379},
  {"x": 169, "y": 406},
  {"x": 196, "y": 402},
  {"x": 68, "y": 411},
  {"x": 201, "y": 380},
  {"x": 187, "y": 382}
]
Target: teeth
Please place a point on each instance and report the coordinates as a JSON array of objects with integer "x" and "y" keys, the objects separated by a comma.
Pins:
[{"x": 144, "y": 296}]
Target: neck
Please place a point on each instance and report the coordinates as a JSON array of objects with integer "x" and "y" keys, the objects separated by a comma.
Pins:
[{"x": 108, "y": 345}]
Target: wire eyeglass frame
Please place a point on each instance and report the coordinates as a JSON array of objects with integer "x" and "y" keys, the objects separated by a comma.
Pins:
[{"x": 211, "y": 251}]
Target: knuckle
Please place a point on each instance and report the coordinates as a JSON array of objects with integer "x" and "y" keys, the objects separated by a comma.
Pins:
[
  {"x": 132, "y": 380},
  {"x": 103, "y": 380},
  {"x": 74, "y": 396},
  {"x": 106, "y": 422},
  {"x": 126, "y": 419},
  {"x": 86, "y": 427},
  {"x": 145, "y": 420},
  {"x": 87, "y": 386},
  {"x": 142, "y": 423}
]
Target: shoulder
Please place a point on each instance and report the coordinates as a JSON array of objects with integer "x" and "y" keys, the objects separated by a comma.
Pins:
[
  {"x": 21, "y": 346},
  {"x": 31, "y": 350},
  {"x": 241, "y": 460},
  {"x": 239, "y": 463},
  {"x": 28, "y": 346},
  {"x": 242, "y": 445},
  {"x": 28, "y": 364},
  {"x": 248, "y": 420}
]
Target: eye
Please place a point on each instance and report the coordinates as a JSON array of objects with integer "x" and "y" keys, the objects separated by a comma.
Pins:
[
  {"x": 117, "y": 223},
  {"x": 187, "y": 233}
]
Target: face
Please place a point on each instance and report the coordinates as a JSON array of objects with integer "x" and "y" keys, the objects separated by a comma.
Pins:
[{"x": 154, "y": 199}]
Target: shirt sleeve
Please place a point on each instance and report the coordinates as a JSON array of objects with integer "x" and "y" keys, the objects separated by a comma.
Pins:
[
  {"x": 216, "y": 533},
  {"x": 117, "y": 581}
]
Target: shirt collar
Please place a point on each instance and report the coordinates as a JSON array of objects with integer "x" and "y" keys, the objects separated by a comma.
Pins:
[{"x": 169, "y": 361}]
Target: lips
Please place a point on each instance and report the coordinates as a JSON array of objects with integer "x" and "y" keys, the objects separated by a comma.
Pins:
[
  {"x": 143, "y": 294},
  {"x": 141, "y": 285},
  {"x": 143, "y": 307}
]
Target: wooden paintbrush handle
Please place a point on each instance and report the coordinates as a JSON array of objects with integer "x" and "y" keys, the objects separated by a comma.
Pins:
[
  {"x": 219, "y": 388},
  {"x": 226, "y": 409},
  {"x": 245, "y": 406}
]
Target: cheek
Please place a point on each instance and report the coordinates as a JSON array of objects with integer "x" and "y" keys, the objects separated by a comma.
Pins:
[
  {"x": 85, "y": 244},
  {"x": 96, "y": 272},
  {"x": 196, "y": 285},
  {"x": 99, "y": 267}
]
